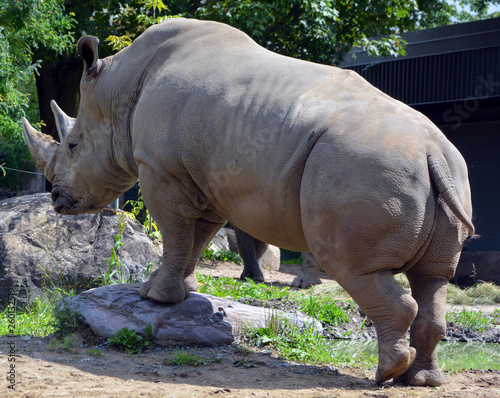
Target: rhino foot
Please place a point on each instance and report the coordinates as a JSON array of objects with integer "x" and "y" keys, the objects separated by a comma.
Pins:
[
  {"x": 419, "y": 376},
  {"x": 164, "y": 290},
  {"x": 256, "y": 276},
  {"x": 191, "y": 282},
  {"x": 305, "y": 282},
  {"x": 390, "y": 367}
]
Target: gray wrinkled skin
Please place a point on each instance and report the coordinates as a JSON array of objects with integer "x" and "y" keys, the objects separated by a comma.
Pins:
[{"x": 303, "y": 156}]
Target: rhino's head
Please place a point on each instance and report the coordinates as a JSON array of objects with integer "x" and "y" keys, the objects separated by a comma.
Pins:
[{"x": 83, "y": 168}]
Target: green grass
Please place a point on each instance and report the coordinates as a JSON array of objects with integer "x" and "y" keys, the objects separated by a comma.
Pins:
[
  {"x": 290, "y": 342},
  {"x": 35, "y": 320},
  {"x": 475, "y": 320},
  {"x": 323, "y": 308},
  {"x": 464, "y": 356},
  {"x": 230, "y": 287},
  {"x": 481, "y": 293},
  {"x": 186, "y": 358}
]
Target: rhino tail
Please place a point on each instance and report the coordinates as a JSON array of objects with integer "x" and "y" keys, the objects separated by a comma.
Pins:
[{"x": 441, "y": 176}]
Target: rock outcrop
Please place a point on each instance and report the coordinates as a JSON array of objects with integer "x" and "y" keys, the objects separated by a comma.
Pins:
[
  {"x": 40, "y": 248},
  {"x": 199, "y": 320}
]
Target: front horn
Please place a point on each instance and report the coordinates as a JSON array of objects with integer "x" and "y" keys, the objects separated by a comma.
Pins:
[
  {"x": 64, "y": 123},
  {"x": 41, "y": 146}
]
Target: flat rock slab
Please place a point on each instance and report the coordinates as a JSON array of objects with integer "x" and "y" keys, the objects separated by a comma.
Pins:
[{"x": 200, "y": 320}]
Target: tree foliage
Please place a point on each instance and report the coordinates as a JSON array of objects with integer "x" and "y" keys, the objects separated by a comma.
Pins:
[
  {"x": 324, "y": 31},
  {"x": 435, "y": 13},
  {"x": 315, "y": 30},
  {"x": 26, "y": 27}
]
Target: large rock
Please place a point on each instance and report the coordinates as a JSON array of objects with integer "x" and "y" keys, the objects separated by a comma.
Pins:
[
  {"x": 199, "y": 320},
  {"x": 310, "y": 273},
  {"x": 39, "y": 247}
]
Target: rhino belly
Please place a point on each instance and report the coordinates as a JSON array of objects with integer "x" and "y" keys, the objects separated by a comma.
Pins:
[{"x": 276, "y": 222}]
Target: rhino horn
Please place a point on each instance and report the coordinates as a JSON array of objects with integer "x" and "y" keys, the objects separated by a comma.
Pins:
[
  {"x": 41, "y": 146},
  {"x": 64, "y": 123}
]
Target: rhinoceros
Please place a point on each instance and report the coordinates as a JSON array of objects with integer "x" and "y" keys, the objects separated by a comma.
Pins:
[{"x": 304, "y": 156}]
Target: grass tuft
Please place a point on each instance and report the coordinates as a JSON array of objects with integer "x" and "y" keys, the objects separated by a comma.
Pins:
[
  {"x": 230, "y": 287},
  {"x": 185, "y": 358}
]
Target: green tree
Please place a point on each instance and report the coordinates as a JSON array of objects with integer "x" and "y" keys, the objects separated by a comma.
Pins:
[
  {"x": 435, "y": 13},
  {"x": 317, "y": 30},
  {"x": 26, "y": 26}
]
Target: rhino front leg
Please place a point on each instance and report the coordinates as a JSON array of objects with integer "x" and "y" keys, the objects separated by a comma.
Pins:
[
  {"x": 176, "y": 215},
  {"x": 205, "y": 231},
  {"x": 167, "y": 284}
]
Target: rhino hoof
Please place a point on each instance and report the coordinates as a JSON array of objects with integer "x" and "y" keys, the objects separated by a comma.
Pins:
[
  {"x": 150, "y": 291},
  {"x": 256, "y": 277},
  {"x": 389, "y": 369},
  {"x": 417, "y": 376}
]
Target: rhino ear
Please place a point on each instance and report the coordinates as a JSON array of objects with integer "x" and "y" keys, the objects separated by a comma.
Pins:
[{"x": 88, "y": 49}]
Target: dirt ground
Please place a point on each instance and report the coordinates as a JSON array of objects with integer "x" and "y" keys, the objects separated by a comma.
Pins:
[{"x": 44, "y": 371}]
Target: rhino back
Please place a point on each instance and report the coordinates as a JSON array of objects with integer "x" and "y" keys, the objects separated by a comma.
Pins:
[{"x": 238, "y": 123}]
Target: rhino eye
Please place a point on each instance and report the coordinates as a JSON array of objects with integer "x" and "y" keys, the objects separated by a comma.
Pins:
[{"x": 72, "y": 147}]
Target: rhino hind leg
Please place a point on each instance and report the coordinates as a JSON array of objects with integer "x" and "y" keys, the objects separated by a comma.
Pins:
[
  {"x": 392, "y": 310},
  {"x": 428, "y": 280},
  {"x": 428, "y": 328},
  {"x": 250, "y": 250}
]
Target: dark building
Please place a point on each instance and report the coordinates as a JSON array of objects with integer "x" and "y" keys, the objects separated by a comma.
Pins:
[{"x": 452, "y": 75}]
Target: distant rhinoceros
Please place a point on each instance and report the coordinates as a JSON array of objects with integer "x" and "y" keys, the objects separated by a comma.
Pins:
[{"x": 303, "y": 156}]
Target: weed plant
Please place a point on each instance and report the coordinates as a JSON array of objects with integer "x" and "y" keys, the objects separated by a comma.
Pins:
[
  {"x": 140, "y": 212},
  {"x": 67, "y": 343},
  {"x": 324, "y": 309},
  {"x": 117, "y": 272},
  {"x": 212, "y": 254},
  {"x": 65, "y": 318},
  {"x": 128, "y": 340},
  {"x": 472, "y": 319}
]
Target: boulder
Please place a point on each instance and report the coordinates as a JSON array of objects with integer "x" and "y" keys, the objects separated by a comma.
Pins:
[
  {"x": 200, "y": 320},
  {"x": 270, "y": 259},
  {"x": 39, "y": 247},
  {"x": 310, "y": 273},
  {"x": 220, "y": 241}
]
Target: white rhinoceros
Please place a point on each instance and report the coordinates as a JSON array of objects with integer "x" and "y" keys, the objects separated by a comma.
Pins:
[{"x": 303, "y": 156}]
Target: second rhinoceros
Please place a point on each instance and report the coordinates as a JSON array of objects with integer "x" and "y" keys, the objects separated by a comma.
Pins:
[{"x": 303, "y": 156}]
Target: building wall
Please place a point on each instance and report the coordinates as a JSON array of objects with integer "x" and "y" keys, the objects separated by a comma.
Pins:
[
  {"x": 479, "y": 143},
  {"x": 452, "y": 75}
]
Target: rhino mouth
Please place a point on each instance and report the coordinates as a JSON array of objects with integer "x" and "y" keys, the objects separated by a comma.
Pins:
[
  {"x": 65, "y": 205},
  {"x": 62, "y": 204}
]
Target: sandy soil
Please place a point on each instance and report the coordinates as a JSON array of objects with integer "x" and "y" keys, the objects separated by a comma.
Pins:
[{"x": 42, "y": 370}]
